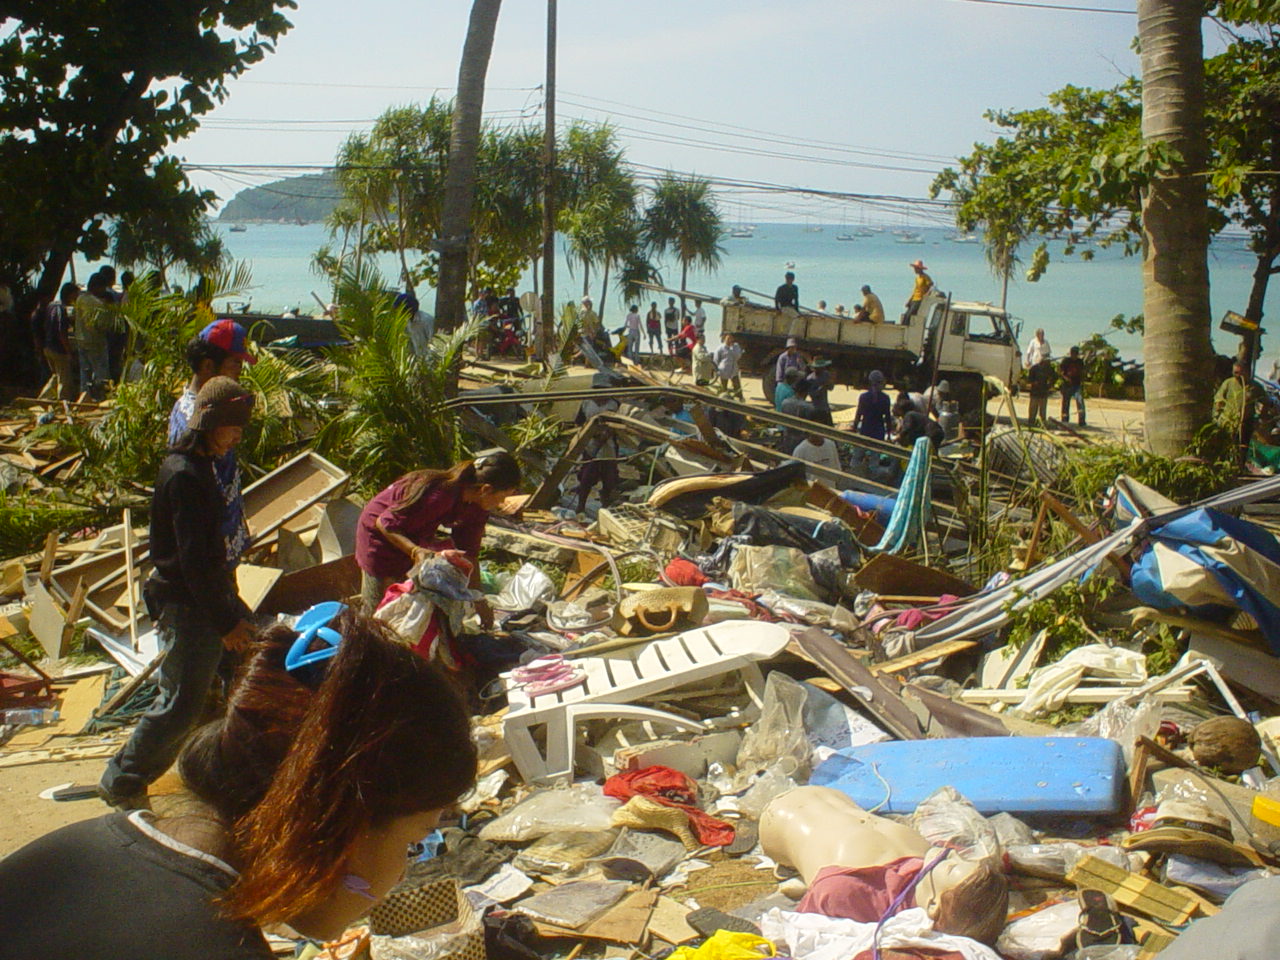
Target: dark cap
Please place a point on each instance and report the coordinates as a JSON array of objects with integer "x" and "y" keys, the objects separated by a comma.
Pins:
[{"x": 222, "y": 402}]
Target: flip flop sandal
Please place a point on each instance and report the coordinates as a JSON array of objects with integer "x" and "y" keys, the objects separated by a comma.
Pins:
[
  {"x": 540, "y": 688},
  {"x": 553, "y": 663},
  {"x": 1099, "y": 921},
  {"x": 545, "y": 676}
]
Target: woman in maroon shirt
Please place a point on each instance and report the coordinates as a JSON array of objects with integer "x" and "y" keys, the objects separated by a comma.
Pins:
[{"x": 399, "y": 527}]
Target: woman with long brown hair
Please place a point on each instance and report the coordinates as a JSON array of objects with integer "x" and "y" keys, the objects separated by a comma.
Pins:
[
  {"x": 400, "y": 526},
  {"x": 339, "y": 748}
]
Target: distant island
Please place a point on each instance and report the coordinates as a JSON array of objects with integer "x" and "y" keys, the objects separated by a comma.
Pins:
[{"x": 308, "y": 198}]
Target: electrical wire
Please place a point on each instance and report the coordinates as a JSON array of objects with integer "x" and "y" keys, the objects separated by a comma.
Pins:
[{"x": 1052, "y": 6}]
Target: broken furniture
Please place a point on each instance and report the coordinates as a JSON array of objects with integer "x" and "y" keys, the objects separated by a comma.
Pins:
[{"x": 612, "y": 685}]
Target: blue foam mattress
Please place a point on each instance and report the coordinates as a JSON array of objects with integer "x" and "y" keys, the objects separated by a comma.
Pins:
[{"x": 1064, "y": 775}]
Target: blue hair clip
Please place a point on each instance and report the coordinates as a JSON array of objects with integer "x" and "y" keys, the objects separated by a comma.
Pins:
[{"x": 316, "y": 644}]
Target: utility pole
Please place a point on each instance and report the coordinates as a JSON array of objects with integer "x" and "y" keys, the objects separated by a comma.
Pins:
[{"x": 549, "y": 193}]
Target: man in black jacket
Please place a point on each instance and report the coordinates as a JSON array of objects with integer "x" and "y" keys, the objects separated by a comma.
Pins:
[{"x": 191, "y": 594}]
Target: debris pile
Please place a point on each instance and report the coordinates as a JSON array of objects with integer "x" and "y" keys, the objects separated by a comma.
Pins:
[{"x": 750, "y": 707}]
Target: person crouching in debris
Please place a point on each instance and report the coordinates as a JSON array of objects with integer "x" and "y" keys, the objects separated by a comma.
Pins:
[
  {"x": 338, "y": 749},
  {"x": 191, "y": 594},
  {"x": 600, "y": 455},
  {"x": 398, "y": 528}
]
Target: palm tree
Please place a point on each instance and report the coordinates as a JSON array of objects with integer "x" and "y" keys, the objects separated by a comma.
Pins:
[
  {"x": 1175, "y": 273},
  {"x": 454, "y": 239},
  {"x": 683, "y": 217}
]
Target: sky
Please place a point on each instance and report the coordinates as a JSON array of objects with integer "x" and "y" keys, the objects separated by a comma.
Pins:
[{"x": 862, "y": 96}]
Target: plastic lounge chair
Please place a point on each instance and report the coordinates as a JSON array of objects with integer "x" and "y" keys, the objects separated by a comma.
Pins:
[{"x": 613, "y": 684}]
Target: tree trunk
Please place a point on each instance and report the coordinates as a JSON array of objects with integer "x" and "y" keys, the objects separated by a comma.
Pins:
[
  {"x": 460, "y": 179},
  {"x": 1175, "y": 272},
  {"x": 684, "y": 283},
  {"x": 604, "y": 291},
  {"x": 586, "y": 277}
]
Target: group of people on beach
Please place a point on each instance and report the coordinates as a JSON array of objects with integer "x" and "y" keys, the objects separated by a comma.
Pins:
[
  {"x": 869, "y": 310},
  {"x": 76, "y": 337},
  {"x": 338, "y": 746}
]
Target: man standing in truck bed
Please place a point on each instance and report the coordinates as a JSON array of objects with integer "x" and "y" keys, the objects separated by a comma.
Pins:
[
  {"x": 788, "y": 294},
  {"x": 924, "y": 283}
]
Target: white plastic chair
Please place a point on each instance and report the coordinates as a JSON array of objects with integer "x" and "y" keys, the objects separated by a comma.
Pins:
[{"x": 613, "y": 684}]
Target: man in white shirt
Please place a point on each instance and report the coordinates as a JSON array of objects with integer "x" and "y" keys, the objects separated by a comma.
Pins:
[
  {"x": 817, "y": 450},
  {"x": 632, "y": 324},
  {"x": 726, "y": 358},
  {"x": 699, "y": 317},
  {"x": 1037, "y": 350}
]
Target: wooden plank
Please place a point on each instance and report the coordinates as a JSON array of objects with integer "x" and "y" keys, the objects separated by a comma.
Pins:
[
  {"x": 880, "y": 700},
  {"x": 46, "y": 560},
  {"x": 254, "y": 583},
  {"x": 886, "y": 573},
  {"x": 131, "y": 601},
  {"x": 74, "y": 711},
  {"x": 295, "y": 592},
  {"x": 47, "y": 620},
  {"x": 935, "y": 651},
  {"x": 625, "y": 922},
  {"x": 1134, "y": 892}
]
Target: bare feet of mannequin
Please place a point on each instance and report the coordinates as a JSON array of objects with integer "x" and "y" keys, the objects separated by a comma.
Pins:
[{"x": 814, "y": 827}]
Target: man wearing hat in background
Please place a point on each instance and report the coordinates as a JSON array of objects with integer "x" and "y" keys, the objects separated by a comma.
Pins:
[
  {"x": 787, "y": 294},
  {"x": 219, "y": 350},
  {"x": 924, "y": 283},
  {"x": 191, "y": 594},
  {"x": 788, "y": 359}
]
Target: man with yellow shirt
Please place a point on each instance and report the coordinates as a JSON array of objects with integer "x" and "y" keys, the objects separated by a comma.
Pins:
[
  {"x": 871, "y": 303},
  {"x": 924, "y": 283}
]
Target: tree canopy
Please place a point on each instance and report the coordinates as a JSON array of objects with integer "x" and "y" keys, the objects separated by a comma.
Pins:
[
  {"x": 1076, "y": 169},
  {"x": 91, "y": 95}
]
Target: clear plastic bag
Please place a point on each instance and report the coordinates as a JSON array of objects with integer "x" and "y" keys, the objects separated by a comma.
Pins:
[
  {"x": 1053, "y": 861},
  {"x": 1124, "y": 723},
  {"x": 1010, "y": 830},
  {"x": 772, "y": 783},
  {"x": 563, "y": 852},
  {"x": 581, "y": 807},
  {"x": 947, "y": 819},
  {"x": 523, "y": 591},
  {"x": 784, "y": 569},
  {"x": 1040, "y": 935},
  {"x": 777, "y": 740},
  {"x": 810, "y": 611}
]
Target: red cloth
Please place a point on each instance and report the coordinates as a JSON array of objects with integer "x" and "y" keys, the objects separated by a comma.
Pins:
[
  {"x": 863, "y": 894},
  {"x": 685, "y": 573},
  {"x": 671, "y": 788},
  {"x": 915, "y": 618}
]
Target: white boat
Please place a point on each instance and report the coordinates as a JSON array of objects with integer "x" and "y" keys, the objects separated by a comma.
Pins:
[
  {"x": 238, "y": 228},
  {"x": 910, "y": 238},
  {"x": 743, "y": 233},
  {"x": 965, "y": 238},
  {"x": 846, "y": 236}
]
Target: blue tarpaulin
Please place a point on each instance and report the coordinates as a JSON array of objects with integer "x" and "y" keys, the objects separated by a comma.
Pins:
[{"x": 1240, "y": 560}]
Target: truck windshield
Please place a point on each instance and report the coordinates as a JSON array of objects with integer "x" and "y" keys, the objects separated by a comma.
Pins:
[{"x": 989, "y": 328}]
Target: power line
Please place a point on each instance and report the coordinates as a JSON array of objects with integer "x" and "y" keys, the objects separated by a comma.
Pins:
[{"x": 1052, "y": 6}]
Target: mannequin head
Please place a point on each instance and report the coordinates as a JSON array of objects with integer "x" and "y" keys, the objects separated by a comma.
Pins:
[{"x": 965, "y": 898}]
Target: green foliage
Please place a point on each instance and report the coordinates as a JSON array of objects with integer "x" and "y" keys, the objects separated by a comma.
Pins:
[
  {"x": 1089, "y": 471},
  {"x": 391, "y": 420},
  {"x": 26, "y": 519},
  {"x": 165, "y": 236},
  {"x": 1064, "y": 614},
  {"x": 684, "y": 218},
  {"x": 90, "y": 96}
]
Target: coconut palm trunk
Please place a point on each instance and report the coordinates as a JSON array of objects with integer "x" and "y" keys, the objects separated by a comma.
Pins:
[
  {"x": 460, "y": 179},
  {"x": 1175, "y": 273}
]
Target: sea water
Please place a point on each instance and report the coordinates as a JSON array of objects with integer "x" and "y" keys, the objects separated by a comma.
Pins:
[{"x": 1073, "y": 300}]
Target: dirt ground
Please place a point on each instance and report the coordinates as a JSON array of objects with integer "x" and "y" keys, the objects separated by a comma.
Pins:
[{"x": 24, "y": 816}]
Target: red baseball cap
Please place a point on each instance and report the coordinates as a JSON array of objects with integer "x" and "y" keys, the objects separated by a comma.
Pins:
[{"x": 230, "y": 336}]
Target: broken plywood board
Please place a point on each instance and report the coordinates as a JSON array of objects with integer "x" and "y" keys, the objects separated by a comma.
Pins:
[
  {"x": 920, "y": 657},
  {"x": 667, "y": 922},
  {"x": 624, "y": 922},
  {"x": 288, "y": 490},
  {"x": 49, "y": 623},
  {"x": 75, "y": 709},
  {"x": 886, "y": 573},
  {"x": 255, "y": 583}
]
